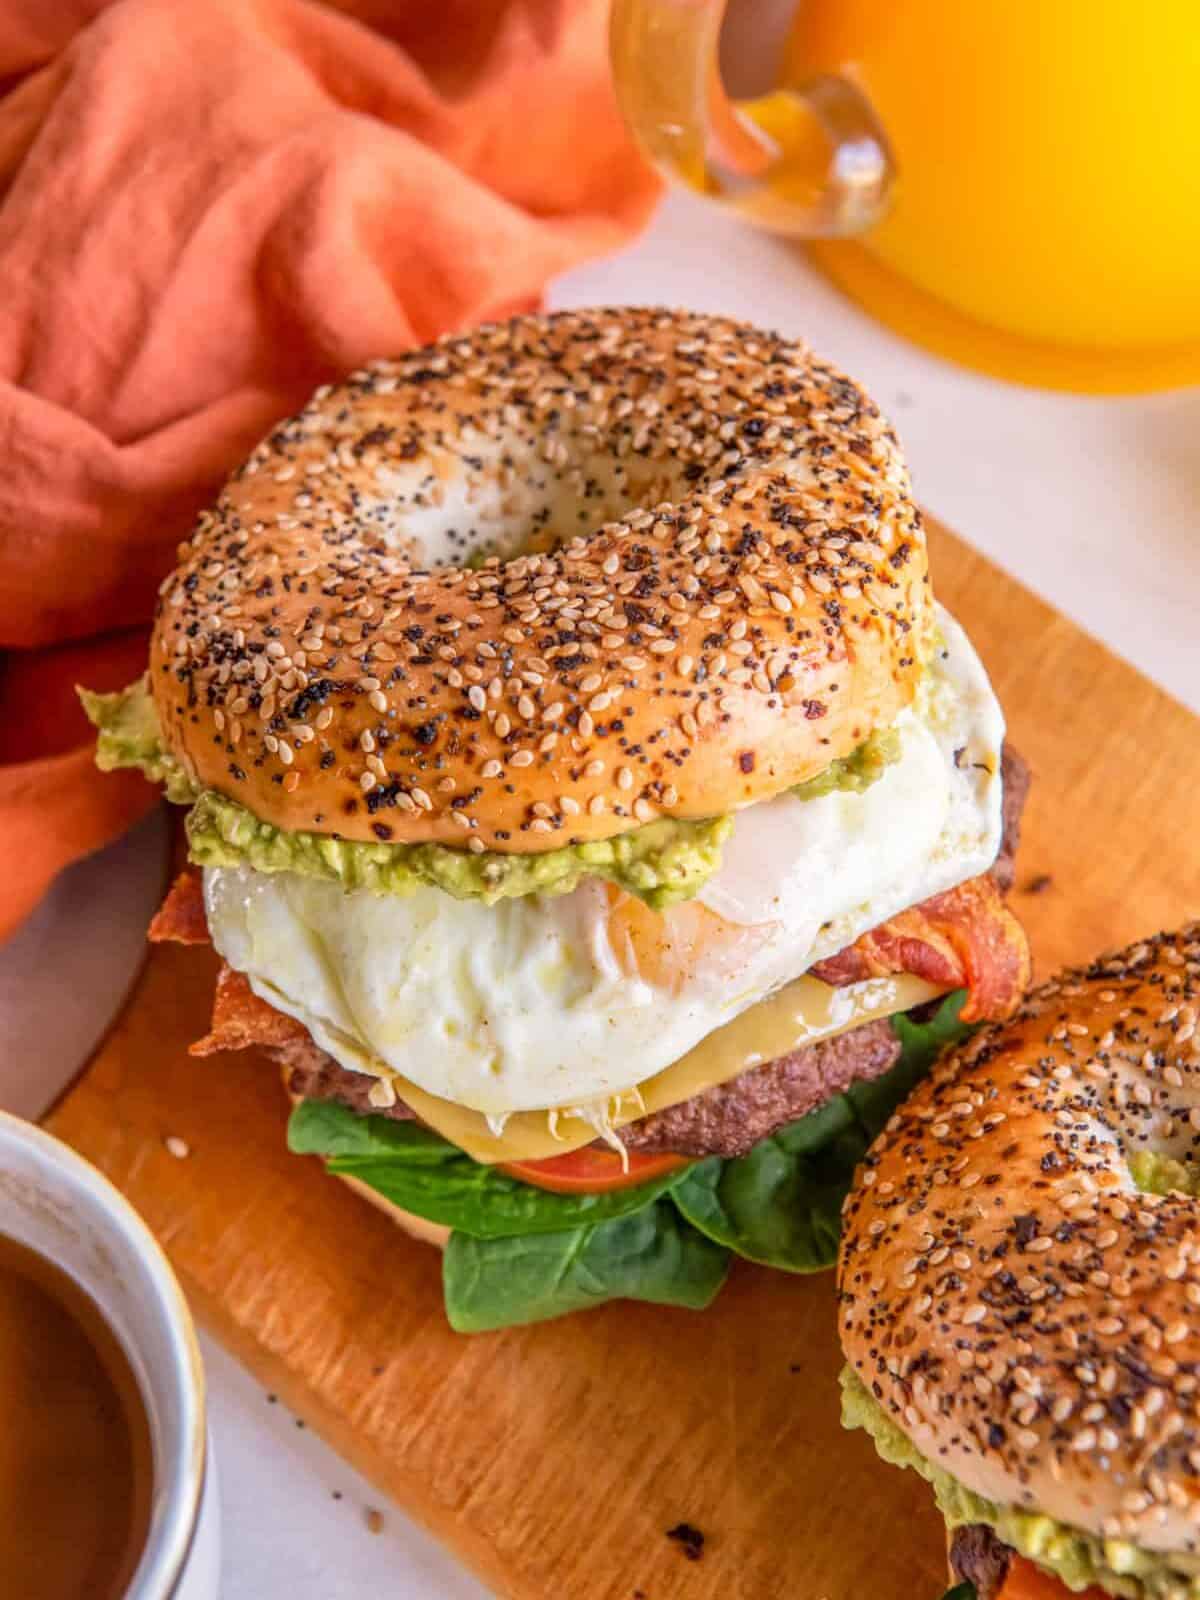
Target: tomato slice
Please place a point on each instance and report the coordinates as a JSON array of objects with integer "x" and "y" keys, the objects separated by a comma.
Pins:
[
  {"x": 592, "y": 1171},
  {"x": 1025, "y": 1581}
]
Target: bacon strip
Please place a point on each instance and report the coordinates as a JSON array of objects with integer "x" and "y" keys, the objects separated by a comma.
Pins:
[
  {"x": 181, "y": 916},
  {"x": 240, "y": 1019},
  {"x": 966, "y": 937}
]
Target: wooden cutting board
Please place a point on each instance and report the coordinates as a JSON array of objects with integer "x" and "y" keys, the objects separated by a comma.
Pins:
[{"x": 553, "y": 1459}]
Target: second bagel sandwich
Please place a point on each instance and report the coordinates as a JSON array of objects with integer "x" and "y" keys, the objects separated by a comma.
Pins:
[
  {"x": 596, "y": 817},
  {"x": 1019, "y": 1283}
]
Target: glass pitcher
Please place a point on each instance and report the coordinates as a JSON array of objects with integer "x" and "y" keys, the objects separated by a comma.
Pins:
[{"x": 1013, "y": 183}]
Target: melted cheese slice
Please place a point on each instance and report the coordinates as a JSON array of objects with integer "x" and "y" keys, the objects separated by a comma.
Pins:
[{"x": 799, "y": 1014}]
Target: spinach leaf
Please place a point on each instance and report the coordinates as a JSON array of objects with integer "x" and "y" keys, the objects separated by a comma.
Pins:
[
  {"x": 651, "y": 1255},
  {"x": 421, "y": 1172},
  {"x": 325, "y": 1128},
  {"x": 961, "y": 1591},
  {"x": 780, "y": 1204}
]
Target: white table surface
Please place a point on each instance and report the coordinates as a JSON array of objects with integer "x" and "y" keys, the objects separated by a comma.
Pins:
[{"x": 1093, "y": 503}]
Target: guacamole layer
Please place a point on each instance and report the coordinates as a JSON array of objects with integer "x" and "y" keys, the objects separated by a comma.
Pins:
[
  {"x": 857, "y": 771},
  {"x": 661, "y": 862}
]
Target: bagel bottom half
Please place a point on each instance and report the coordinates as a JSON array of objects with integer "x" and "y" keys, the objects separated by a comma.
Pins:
[{"x": 427, "y": 1232}]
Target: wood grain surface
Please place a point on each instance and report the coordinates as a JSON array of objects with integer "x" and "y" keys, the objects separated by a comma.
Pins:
[{"x": 553, "y": 1459}]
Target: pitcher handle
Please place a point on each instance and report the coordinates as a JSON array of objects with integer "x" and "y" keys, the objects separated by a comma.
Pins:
[{"x": 810, "y": 159}]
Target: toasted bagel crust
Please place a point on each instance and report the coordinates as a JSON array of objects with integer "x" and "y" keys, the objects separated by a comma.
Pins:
[
  {"x": 1024, "y": 1314},
  {"x": 729, "y": 588},
  {"x": 419, "y": 1227}
]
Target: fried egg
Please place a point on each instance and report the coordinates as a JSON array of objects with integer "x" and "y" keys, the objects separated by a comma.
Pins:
[{"x": 572, "y": 1000}]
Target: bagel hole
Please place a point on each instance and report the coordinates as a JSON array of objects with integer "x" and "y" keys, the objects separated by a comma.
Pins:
[{"x": 462, "y": 510}]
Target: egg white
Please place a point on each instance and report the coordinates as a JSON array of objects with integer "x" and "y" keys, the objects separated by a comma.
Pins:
[{"x": 523, "y": 1005}]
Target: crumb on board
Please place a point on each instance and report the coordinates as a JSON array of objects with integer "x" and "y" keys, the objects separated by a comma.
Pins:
[
  {"x": 689, "y": 1539},
  {"x": 1039, "y": 884},
  {"x": 373, "y": 1518},
  {"x": 177, "y": 1147}
]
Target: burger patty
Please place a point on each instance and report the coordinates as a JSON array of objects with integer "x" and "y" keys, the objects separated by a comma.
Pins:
[
  {"x": 1014, "y": 770},
  {"x": 313, "y": 1074},
  {"x": 978, "y": 1557},
  {"x": 727, "y": 1119},
  {"x": 730, "y": 1118}
]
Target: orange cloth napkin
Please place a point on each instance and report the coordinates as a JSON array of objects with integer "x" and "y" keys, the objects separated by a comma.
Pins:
[{"x": 205, "y": 211}]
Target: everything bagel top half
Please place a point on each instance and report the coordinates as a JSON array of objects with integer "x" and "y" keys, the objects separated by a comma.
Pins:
[
  {"x": 1020, "y": 1285},
  {"x": 573, "y": 745}
]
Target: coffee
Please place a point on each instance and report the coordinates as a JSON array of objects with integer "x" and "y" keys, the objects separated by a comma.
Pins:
[{"x": 76, "y": 1465}]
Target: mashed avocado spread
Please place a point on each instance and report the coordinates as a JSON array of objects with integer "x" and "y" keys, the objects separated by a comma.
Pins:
[
  {"x": 1080, "y": 1559},
  {"x": 129, "y": 736},
  {"x": 661, "y": 862},
  {"x": 857, "y": 771},
  {"x": 1155, "y": 1173}
]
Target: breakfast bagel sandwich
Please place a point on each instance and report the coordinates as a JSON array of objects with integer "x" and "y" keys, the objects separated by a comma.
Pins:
[
  {"x": 596, "y": 817},
  {"x": 1019, "y": 1281}
]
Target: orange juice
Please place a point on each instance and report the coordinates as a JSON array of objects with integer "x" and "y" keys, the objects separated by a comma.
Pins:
[{"x": 1045, "y": 217}]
